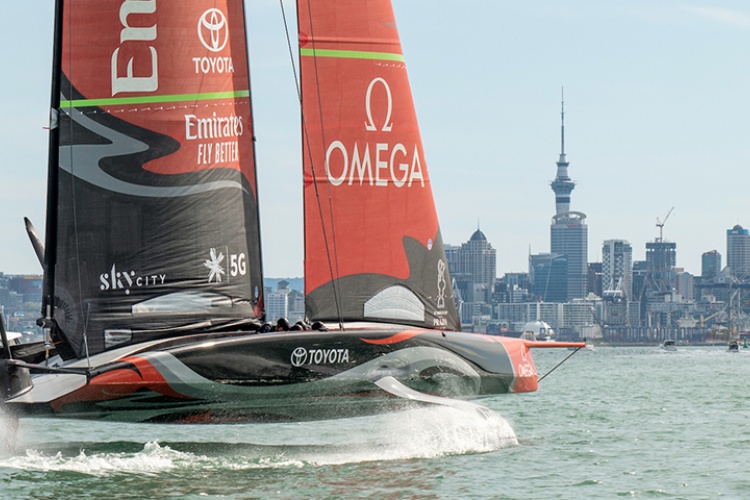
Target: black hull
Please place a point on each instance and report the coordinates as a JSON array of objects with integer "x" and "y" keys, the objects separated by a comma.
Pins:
[{"x": 279, "y": 377}]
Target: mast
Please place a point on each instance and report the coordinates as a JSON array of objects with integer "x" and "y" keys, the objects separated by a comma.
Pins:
[
  {"x": 50, "y": 253},
  {"x": 260, "y": 306}
]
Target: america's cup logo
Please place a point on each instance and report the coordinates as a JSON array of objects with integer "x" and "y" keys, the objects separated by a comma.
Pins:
[{"x": 213, "y": 30}]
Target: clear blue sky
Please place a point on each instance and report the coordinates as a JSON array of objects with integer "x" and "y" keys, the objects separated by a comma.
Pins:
[{"x": 657, "y": 95}]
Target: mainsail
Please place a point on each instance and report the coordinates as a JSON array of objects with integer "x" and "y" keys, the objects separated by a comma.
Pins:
[
  {"x": 156, "y": 214},
  {"x": 373, "y": 249}
]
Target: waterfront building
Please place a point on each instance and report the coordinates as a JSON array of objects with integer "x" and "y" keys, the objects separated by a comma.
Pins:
[
  {"x": 617, "y": 269},
  {"x": 518, "y": 280},
  {"x": 640, "y": 273},
  {"x": 548, "y": 277},
  {"x": 277, "y": 301},
  {"x": 661, "y": 259},
  {"x": 685, "y": 285},
  {"x": 623, "y": 314},
  {"x": 594, "y": 280},
  {"x": 296, "y": 301},
  {"x": 569, "y": 237},
  {"x": 710, "y": 264},
  {"x": 738, "y": 252},
  {"x": 571, "y": 320},
  {"x": 473, "y": 267},
  {"x": 568, "y": 231},
  {"x": 21, "y": 301},
  {"x": 478, "y": 260},
  {"x": 452, "y": 258},
  {"x": 512, "y": 287}
]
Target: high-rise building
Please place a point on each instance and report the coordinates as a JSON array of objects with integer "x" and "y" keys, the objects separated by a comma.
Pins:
[
  {"x": 661, "y": 259},
  {"x": 277, "y": 305},
  {"x": 277, "y": 301},
  {"x": 684, "y": 285},
  {"x": 569, "y": 232},
  {"x": 473, "y": 267},
  {"x": 569, "y": 237},
  {"x": 710, "y": 264},
  {"x": 548, "y": 276},
  {"x": 738, "y": 252},
  {"x": 512, "y": 288},
  {"x": 594, "y": 280},
  {"x": 452, "y": 258},
  {"x": 640, "y": 278},
  {"x": 617, "y": 269}
]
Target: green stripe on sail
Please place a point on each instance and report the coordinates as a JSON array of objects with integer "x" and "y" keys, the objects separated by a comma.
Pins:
[
  {"x": 352, "y": 54},
  {"x": 152, "y": 99}
]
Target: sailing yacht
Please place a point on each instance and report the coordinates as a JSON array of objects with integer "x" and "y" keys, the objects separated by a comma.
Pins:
[{"x": 153, "y": 297}]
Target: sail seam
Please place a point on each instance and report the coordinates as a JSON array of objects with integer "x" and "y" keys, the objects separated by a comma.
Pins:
[
  {"x": 119, "y": 101},
  {"x": 352, "y": 54}
]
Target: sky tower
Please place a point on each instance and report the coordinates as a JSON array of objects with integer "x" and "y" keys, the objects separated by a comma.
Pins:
[
  {"x": 569, "y": 232},
  {"x": 562, "y": 185}
]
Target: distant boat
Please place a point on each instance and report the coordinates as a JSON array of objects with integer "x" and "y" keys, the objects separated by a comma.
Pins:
[
  {"x": 668, "y": 345},
  {"x": 734, "y": 346}
]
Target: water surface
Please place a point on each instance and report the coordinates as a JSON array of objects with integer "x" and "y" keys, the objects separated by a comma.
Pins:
[{"x": 612, "y": 422}]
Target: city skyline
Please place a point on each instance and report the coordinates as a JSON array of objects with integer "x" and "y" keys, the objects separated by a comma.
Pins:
[{"x": 652, "y": 122}]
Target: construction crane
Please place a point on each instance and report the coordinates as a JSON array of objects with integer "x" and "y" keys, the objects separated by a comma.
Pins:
[{"x": 660, "y": 224}]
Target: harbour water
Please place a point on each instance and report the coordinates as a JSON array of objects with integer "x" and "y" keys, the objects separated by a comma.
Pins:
[{"x": 611, "y": 422}]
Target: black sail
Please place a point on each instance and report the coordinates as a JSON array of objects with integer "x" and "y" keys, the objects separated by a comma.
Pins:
[{"x": 157, "y": 229}]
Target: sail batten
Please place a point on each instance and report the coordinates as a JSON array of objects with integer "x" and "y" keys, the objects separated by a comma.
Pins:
[
  {"x": 351, "y": 54},
  {"x": 118, "y": 101}
]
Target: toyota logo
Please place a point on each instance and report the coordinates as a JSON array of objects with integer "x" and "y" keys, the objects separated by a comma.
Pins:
[
  {"x": 299, "y": 356},
  {"x": 213, "y": 30}
]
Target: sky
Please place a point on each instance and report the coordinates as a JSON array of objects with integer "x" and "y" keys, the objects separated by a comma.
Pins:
[{"x": 657, "y": 101}]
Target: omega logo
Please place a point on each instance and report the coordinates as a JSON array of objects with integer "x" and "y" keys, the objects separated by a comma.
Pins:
[
  {"x": 376, "y": 164},
  {"x": 370, "y": 124}
]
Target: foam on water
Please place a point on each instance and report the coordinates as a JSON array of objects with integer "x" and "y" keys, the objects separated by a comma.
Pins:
[
  {"x": 422, "y": 433},
  {"x": 153, "y": 459}
]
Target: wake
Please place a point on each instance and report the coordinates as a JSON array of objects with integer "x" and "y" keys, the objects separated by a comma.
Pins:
[{"x": 430, "y": 432}]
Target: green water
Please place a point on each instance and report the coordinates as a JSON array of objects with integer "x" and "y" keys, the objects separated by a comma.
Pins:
[{"x": 610, "y": 423}]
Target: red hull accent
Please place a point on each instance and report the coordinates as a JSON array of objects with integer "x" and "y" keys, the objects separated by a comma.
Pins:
[
  {"x": 399, "y": 337},
  {"x": 115, "y": 384}
]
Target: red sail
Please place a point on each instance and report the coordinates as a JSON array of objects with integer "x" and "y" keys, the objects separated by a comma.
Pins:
[
  {"x": 157, "y": 213},
  {"x": 373, "y": 248}
]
